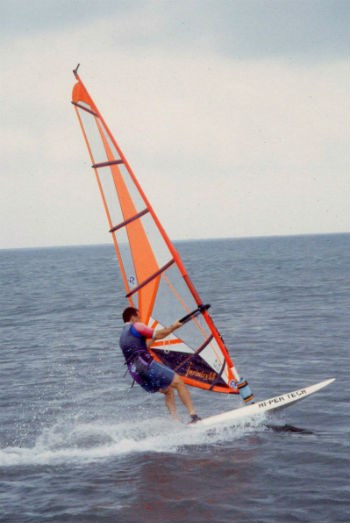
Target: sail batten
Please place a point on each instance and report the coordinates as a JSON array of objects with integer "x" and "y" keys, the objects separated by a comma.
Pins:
[
  {"x": 218, "y": 376},
  {"x": 81, "y": 106},
  {"x": 106, "y": 164},
  {"x": 126, "y": 222},
  {"x": 195, "y": 353},
  {"x": 151, "y": 278},
  {"x": 154, "y": 276}
]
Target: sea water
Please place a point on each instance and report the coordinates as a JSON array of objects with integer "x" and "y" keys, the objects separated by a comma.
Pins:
[{"x": 78, "y": 444}]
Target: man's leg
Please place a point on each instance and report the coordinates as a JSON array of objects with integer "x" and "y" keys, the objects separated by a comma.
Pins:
[
  {"x": 170, "y": 402},
  {"x": 183, "y": 393}
]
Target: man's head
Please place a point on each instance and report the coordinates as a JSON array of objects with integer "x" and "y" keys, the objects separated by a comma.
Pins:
[{"x": 130, "y": 313}]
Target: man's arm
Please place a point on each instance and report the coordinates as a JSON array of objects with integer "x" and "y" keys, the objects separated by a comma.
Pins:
[
  {"x": 163, "y": 333},
  {"x": 151, "y": 335}
]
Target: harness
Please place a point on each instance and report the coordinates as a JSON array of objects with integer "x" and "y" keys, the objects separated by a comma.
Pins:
[{"x": 137, "y": 357}]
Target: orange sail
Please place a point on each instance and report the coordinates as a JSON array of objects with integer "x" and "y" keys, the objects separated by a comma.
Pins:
[{"x": 155, "y": 279}]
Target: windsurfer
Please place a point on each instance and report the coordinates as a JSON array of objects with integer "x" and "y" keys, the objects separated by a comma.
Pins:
[{"x": 148, "y": 373}]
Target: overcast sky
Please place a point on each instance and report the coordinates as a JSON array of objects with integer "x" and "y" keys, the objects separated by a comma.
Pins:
[{"x": 233, "y": 115}]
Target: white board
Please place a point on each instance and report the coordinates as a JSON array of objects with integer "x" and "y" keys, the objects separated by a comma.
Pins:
[{"x": 271, "y": 404}]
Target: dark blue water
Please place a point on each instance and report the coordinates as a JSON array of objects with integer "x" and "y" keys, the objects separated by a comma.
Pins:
[{"x": 78, "y": 445}]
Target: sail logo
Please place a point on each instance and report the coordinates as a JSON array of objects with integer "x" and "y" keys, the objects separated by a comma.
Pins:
[{"x": 206, "y": 376}]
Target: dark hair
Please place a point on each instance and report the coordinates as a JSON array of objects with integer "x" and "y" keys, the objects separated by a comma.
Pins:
[{"x": 128, "y": 312}]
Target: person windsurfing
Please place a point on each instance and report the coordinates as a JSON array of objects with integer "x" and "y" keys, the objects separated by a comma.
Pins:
[{"x": 148, "y": 373}]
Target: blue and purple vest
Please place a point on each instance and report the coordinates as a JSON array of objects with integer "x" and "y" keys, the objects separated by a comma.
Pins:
[{"x": 133, "y": 344}]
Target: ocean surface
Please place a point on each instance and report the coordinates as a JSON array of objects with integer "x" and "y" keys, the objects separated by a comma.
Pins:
[{"x": 79, "y": 445}]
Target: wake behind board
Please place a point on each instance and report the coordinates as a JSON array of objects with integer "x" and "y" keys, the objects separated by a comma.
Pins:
[{"x": 271, "y": 404}]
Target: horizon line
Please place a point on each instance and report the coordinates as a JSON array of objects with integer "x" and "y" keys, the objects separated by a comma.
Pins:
[{"x": 263, "y": 236}]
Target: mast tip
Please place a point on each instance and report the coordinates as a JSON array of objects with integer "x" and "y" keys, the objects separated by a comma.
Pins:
[{"x": 75, "y": 71}]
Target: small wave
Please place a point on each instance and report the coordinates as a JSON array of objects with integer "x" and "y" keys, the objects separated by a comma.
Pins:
[
  {"x": 94, "y": 441},
  {"x": 289, "y": 428}
]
